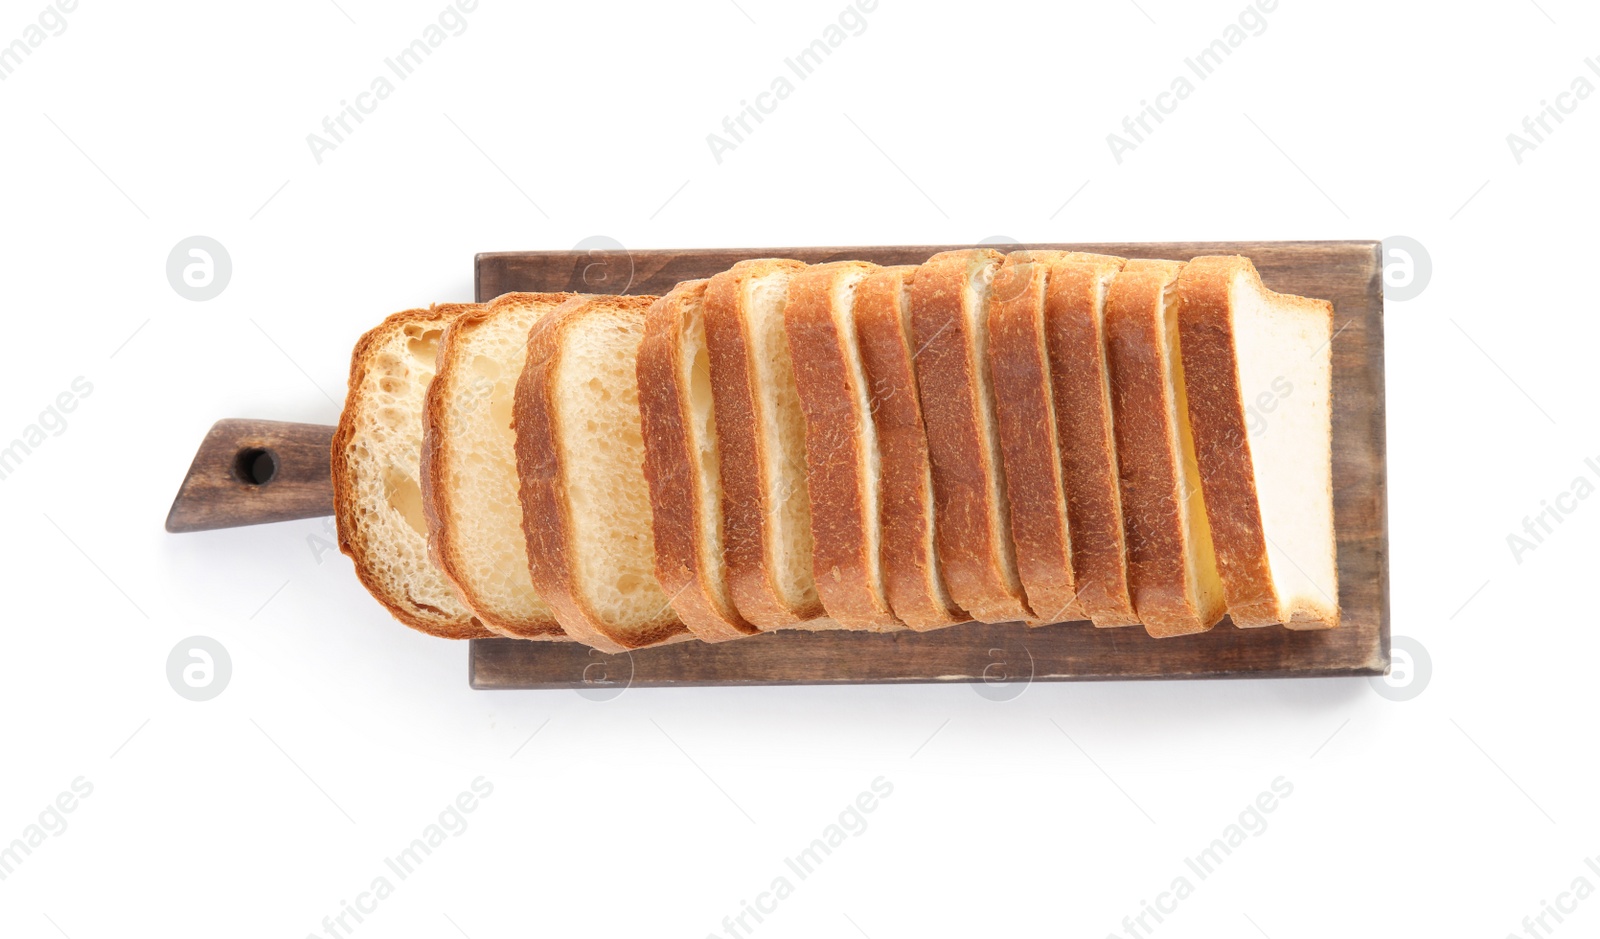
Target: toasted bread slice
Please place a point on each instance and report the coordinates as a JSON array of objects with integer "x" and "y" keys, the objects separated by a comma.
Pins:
[
  {"x": 683, "y": 462},
  {"x": 1259, "y": 366},
  {"x": 1172, "y": 569},
  {"x": 949, "y": 300},
  {"x": 1080, "y": 384},
  {"x": 842, "y": 456},
  {"x": 761, "y": 429},
  {"x": 912, "y": 574},
  {"x": 469, "y": 465},
  {"x": 580, "y": 459},
  {"x": 1019, "y": 364},
  {"x": 377, "y": 496}
]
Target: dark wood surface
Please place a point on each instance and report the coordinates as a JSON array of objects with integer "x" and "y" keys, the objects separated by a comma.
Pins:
[
  {"x": 1347, "y": 273},
  {"x": 222, "y": 488}
]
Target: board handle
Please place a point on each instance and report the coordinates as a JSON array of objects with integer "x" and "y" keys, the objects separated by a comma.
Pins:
[{"x": 252, "y": 472}]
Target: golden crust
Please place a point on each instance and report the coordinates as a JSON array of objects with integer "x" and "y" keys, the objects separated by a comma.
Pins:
[
  {"x": 1081, "y": 392},
  {"x": 546, "y": 509},
  {"x": 911, "y": 573},
  {"x": 1019, "y": 367},
  {"x": 672, "y": 471},
  {"x": 1152, "y": 496},
  {"x": 971, "y": 549},
  {"x": 745, "y": 461},
  {"x": 846, "y": 570},
  {"x": 1222, "y": 442}
]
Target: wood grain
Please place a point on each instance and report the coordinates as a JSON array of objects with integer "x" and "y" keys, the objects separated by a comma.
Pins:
[
  {"x": 222, "y": 488},
  {"x": 1347, "y": 273}
]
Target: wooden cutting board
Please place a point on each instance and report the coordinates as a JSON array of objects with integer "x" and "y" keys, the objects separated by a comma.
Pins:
[{"x": 224, "y": 488}]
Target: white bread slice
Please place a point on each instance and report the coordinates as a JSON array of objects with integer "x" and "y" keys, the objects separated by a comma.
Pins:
[
  {"x": 842, "y": 457},
  {"x": 1172, "y": 569},
  {"x": 1268, "y": 488},
  {"x": 469, "y": 465},
  {"x": 1081, "y": 387},
  {"x": 761, "y": 429},
  {"x": 949, "y": 307},
  {"x": 911, "y": 570},
  {"x": 377, "y": 496},
  {"x": 682, "y": 461},
  {"x": 1019, "y": 366},
  {"x": 580, "y": 459}
]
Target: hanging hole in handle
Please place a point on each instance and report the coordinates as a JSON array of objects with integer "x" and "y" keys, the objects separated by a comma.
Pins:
[{"x": 255, "y": 466}]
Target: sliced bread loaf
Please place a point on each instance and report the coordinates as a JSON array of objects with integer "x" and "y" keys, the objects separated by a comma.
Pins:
[
  {"x": 842, "y": 456},
  {"x": 377, "y": 496},
  {"x": 761, "y": 429},
  {"x": 469, "y": 465},
  {"x": 1019, "y": 364},
  {"x": 1172, "y": 570},
  {"x": 1080, "y": 384},
  {"x": 912, "y": 574},
  {"x": 580, "y": 460},
  {"x": 949, "y": 303},
  {"x": 1259, "y": 368},
  {"x": 683, "y": 463}
]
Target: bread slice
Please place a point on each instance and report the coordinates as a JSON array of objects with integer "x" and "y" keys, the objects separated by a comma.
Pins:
[
  {"x": 1080, "y": 385},
  {"x": 377, "y": 496},
  {"x": 1260, "y": 369},
  {"x": 580, "y": 459},
  {"x": 1172, "y": 570},
  {"x": 469, "y": 465},
  {"x": 949, "y": 301},
  {"x": 682, "y": 461},
  {"x": 1019, "y": 364},
  {"x": 912, "y": 574},
  {"x": 842, "y": 456},
  {"x": 761, "y": 429}
]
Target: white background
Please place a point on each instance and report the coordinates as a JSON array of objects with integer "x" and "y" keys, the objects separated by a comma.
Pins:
[{"x": 342, "y": 734}]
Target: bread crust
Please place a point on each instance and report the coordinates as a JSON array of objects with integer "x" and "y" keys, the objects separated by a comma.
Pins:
[
  {"x": 848, "y": 572},
  {"x": 352, "y": 535},
  {"x": 436, "y": 466},
  {"x": 673, "y": 470},
  {"x": 972, "y": 549},
  {"x": 1019, "y": 367},
  {"x": 911, "y": 570},
  {"x": 546, "y": 507},
  {"x": 745, "y": 506},
  {"x": 1222, "y": 443},
  {"x": 1081, "y": 391},
  {"x": 1164, "y": 596}
]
